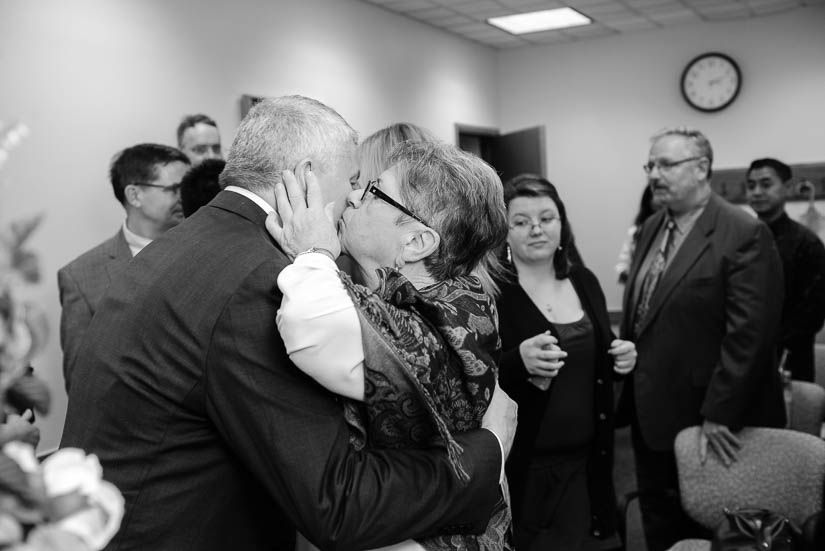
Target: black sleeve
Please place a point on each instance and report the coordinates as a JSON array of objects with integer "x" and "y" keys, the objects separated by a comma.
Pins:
[{"x": 291, "y": 434}]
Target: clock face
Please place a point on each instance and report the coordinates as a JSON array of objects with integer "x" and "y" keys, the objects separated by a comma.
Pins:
[{"x": 711, "y": 82}]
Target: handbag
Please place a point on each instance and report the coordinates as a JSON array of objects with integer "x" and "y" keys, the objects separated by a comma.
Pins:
[{"x": 752, "y": 529}]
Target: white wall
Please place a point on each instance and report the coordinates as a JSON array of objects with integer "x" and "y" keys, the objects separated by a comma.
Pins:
[
  {"x": 602, "y": 99},
  {"x": 90, "y": 77}
]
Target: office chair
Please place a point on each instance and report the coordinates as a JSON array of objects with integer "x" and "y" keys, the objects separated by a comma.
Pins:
[
  {"x": 807, "y": 411},
  {"x": 819, "y": 364},
  {"x": 777, "y": 469}
]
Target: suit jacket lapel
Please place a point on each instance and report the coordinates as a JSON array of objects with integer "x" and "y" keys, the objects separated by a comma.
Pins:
[
  {"x": 691, "y": 250},
  {"x": 119, "y": 255}
]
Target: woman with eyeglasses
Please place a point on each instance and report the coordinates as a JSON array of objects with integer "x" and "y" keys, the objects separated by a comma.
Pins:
[
  {"x": 416, "y": 348},
  {"x": 558, "y": 360}
]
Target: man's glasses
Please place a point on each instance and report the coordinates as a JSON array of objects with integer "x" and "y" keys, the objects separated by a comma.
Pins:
[
  {"x": 174, "y": 188},
  {"x": 525, "y": 224},
  {"x": 664, "y": 165},
  {"x": 372, "y": 187}
]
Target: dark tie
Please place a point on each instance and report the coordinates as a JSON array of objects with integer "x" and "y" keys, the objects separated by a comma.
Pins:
[{"x": 652, "y": 277}]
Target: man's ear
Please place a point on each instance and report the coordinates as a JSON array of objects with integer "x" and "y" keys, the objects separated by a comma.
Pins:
[
  {"x": 301, "y": 169},
  {"x": 419, "y": 244},
  {"x": 704, "y": 166},
  {"x": 132, "y": 195}
]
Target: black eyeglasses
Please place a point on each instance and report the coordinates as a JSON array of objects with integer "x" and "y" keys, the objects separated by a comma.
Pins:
[
  {"x": 663, "y": 164},
  {"x": 174, "y": 188},
  {"x": 372, "y": 187}
]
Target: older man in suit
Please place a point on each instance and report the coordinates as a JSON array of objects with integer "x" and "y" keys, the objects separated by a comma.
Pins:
[
  {"x": 703, "y": 304},
  {"x": 186, "y": 394},
  {"x": 146, "y": 181}
]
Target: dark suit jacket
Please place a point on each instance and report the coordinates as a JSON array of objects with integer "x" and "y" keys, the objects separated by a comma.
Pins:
[
  {"x": 185, "y": 392},
  {"x": 707, "y": 348},
  {"x": 520, "y": 319},
  {"x": 82, "y": 283}
]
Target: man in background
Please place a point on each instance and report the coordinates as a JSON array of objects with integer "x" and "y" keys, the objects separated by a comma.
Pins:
[
  {"x": 200, "y": 185},
  {"x": 702, "y": 303},
  {"x": 803, "y": 263},
  {"x": 146, "y": 180},
  {"x": 199, "y": 139}
]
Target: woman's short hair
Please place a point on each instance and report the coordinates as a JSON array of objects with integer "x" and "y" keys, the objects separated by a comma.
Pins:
[
  {"x": 532, "y": 185},
  {"x": 459, "y": 196},
  {"x": 373, "y": 153}
]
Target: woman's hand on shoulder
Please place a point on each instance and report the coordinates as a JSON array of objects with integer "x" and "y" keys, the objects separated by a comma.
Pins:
[
  {"x": 624, "y": 356},
  {"x": 541, "y": 355}
]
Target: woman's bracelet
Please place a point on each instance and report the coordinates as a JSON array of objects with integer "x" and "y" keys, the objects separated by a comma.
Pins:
[{"x": 317, "y": 250}]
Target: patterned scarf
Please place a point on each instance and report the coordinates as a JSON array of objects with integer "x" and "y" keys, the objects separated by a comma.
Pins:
[{"x": 430, "y": 361}]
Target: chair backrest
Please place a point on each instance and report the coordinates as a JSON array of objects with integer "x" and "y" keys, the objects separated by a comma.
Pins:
[
  {"x": 777, "y": 469},
  {"x": 819, "y": 363},
  {"x": 807, "y": 407}
]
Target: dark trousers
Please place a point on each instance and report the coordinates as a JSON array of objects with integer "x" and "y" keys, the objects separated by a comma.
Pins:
[
  {"x": 800, "y": 361},
  {"x": 663, "y": 519},
  {"x": 555, "y": 507}
]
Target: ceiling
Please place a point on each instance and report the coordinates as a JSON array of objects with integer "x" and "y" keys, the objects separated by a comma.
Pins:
[{"x": 466, "y": 18}]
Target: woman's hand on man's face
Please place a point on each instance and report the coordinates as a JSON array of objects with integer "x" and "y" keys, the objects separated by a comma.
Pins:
[
  {"x": 302, "y": 221},
  {"x": 542, "y": 356}
]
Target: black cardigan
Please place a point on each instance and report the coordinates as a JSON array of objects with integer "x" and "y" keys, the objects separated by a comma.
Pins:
[{"x": 520, "y": 319}]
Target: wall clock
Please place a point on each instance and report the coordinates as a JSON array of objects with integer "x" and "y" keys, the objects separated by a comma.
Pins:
[{"x": 711, "y": 81}]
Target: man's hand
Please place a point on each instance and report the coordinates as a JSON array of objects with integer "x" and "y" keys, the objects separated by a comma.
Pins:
[
  {"x": 304, "y": 220},
  {"x": 722, "y": 441},
  {"x": 541, "y": 355},
  {"x": 501, "y": 418},
  {"x": 624, "y": 356}
]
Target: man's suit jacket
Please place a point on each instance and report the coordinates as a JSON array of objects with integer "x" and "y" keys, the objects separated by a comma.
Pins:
[
  {"x": 184, "y": 391},
  {"x": 82, "y": 283},
  {"x": 707, "y": 347}
]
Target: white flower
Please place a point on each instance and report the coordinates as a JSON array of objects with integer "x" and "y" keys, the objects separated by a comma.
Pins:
[
  {"x": 71, "y": 471},
  {"x": 98, "y": 524}
]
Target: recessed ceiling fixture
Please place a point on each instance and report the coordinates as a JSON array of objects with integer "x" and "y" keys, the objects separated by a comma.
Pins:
[{"x": 545, "y": 20}]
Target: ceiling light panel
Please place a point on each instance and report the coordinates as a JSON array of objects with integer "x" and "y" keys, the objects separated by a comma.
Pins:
[{"x": 537, "y": 21}]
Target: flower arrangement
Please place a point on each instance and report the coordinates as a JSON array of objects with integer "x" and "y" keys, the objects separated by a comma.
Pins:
[{"x": 62, "y": 503}]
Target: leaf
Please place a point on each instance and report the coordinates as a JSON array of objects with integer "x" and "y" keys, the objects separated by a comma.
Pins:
[
  {"x": 27, "y": 265},
  {"x": 29, "y": 392},
  {"x": 22, "y": 229},
  {"x": 12, "y": 478}
]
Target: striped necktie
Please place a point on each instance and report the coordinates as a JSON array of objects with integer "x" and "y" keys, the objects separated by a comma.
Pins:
[{"x": 653, "y": 275}]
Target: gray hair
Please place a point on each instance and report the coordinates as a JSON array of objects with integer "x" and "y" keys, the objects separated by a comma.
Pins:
[
  {"x": 700, "y": 143},
  {"x": 277, "y": 133},
  {"x": 459, "y": 196}
]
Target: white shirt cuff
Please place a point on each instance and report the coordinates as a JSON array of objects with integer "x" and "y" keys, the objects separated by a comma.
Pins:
[{"x": 501, "y": 448}]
